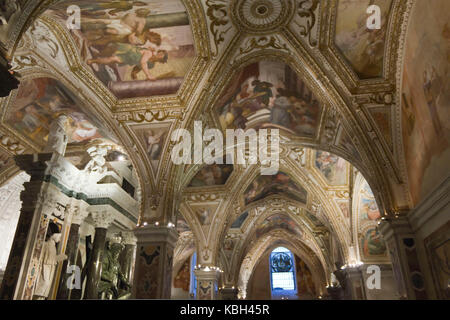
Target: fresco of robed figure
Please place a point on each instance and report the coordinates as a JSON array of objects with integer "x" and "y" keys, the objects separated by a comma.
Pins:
[
  {"x": 39, "y": 101},
  {"x": 136, "y": 48},
  {"x": 372, "y": 243},
  {"x": 426, "y": 98},
  {"x": 269, "y": 94},
  {"x": 361, "y": 46}
]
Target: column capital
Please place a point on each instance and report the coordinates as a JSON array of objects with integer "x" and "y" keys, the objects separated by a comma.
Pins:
[
  {"x": 152, "y": 233},
  {"x": 205, "y": 274},
  {"x": 48, "y": 201},
  {"x": 78, "y": 211},
  {"x": 102, "y": 218},
  {"x": 129, "y": 238}
]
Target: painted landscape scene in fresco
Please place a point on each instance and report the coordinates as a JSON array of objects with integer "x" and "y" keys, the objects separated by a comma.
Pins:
[
  {"x": 136, "y": 48},
  {"x": 269, "y": 94},
  {"x": 281, "y": 183},
  {"x": 40, "y": 101},
  {"x": 363, "y": 47}
]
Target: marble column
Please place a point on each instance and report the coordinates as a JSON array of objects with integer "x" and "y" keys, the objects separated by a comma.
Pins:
[
  {"x": 77, "y": 212},
  {"x": 207, "y": 283},
  {"x": 31, "y": 229},
  {"x": 154, "y": 262},
  {"x": 102, "y": 220},
  {"x": 128, "y": 255},
  {"x": 401, "y": 243}
]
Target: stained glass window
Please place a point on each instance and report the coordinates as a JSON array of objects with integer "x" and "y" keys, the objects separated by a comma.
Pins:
[
  {"x": 193, "y": 289},
  {"x": 282, "y": 272}
]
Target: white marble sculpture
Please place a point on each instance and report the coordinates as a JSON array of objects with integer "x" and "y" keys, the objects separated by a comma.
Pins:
[{"x": 50, "y": 260}]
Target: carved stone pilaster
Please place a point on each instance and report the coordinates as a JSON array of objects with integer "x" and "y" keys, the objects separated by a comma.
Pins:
[
  {"x": 154, "y": 261},
  {"x": 207, "y": 284},
  {"x": 401, "y": 243},
  {"x": 354, "y": 284},
  {"x": 23, "y": 262}
]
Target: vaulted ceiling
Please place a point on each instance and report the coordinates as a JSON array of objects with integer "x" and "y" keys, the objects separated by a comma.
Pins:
[{"x": 227, "y": 63}]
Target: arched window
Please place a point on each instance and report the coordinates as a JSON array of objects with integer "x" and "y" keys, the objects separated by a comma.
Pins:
[
  {"x": 193, "y": 285},
  {"x": 282, "y": 273}
]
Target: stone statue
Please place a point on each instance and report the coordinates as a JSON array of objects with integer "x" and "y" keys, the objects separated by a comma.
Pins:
[
  {"x": 98, "y": 162},
  {"x": 113, "y": 283},
  {"x": 49, "y": 262},
  {"x": 57, "y": 138}
]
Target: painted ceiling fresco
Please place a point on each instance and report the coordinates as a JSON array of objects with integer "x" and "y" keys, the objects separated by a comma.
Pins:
[
  {"x": 372, "y": 244},
  {"x": 268, "y": 94},
  {"x": 40, "y": 101},
  {"x": 279, "y": 221},
  {"x": 333, "y": 169},
  {"x": 280, "y": 183},
  {"x": 212, "y": 175},
  {"x": 362, "y": 47},
  {"x": 136, "y": 48},
  {"x": 153, "y": 139},
  {"x": 426, "y": 97},
  {"x": 368, "y": 206}
]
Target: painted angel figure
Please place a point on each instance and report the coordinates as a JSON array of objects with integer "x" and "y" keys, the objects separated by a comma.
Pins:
[{"x": 154, "y": 142}]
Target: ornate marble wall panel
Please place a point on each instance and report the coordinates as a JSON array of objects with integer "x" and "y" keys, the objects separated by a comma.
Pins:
[{"x": 10, "y": 204}]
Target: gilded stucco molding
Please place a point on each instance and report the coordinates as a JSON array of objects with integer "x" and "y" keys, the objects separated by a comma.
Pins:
[{"x": 398, "y": 136}]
